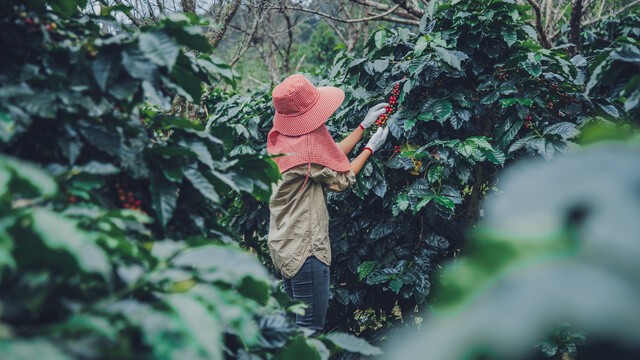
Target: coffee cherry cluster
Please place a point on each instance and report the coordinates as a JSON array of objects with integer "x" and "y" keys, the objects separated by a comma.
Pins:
[
  {"x": 528, "y": 123},
  {"x": 502, "y": 74},
  {"x": 35, "y": 23},
  {"x": 391, "y": 108},
  {"x": 126, "y": 197},
  {"x": 397, "y": 149}
]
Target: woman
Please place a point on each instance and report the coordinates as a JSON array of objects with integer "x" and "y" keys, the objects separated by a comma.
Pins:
[{"x": 312, "y": 163}]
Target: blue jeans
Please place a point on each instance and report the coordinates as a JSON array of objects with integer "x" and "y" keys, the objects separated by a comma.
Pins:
[{"x": 310, "y": 285}]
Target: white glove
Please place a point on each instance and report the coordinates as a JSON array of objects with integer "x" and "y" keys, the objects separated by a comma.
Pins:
[
  {"x": 378, "y": 139},
  {"x": 373, "y": 114}
]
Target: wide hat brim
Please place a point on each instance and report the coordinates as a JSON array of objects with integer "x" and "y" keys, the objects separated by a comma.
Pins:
[{"x": 328, "y": 101}]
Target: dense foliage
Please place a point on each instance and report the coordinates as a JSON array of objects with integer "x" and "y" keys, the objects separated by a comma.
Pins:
[
  {"x": 569, "y": 254},
  {"x": 477, "y": 92},
  {"x": 110, "y": 239}
]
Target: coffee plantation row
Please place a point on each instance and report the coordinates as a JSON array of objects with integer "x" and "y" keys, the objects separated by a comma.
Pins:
[{"x": 128, "y": 232}]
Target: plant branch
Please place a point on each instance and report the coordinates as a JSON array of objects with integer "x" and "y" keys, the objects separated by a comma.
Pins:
[
  {"x": 259, "y": 16},
  {"x": 615, "y": 13},
  {"x": 346, "y": 21},
  {"x": 541, "y": 33},
  {"x": 225, "y": 19},
  {"x": 133, "y": 19}
]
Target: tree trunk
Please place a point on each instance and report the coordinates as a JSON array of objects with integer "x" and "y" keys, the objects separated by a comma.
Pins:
[
  {"x": 225, "y": 18},
  {"x": 575, "y": 24},
  {"x": 188, "y": 6}
]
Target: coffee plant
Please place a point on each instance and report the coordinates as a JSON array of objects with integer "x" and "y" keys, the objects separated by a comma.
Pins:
[
  {"x": 570, "y": 254},
  {"x": 111, "y": 244},
  {"x": 474, "y": 92}
]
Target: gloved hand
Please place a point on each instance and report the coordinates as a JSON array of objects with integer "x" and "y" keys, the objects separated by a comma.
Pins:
[
  {"x": 378, "y": 139},
  {"x": 373, "y": 114}
]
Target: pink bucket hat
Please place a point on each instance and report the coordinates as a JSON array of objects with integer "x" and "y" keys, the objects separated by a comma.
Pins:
[
  {"x": 298, "y": 127},
  {"x": 301, "y": 107}
]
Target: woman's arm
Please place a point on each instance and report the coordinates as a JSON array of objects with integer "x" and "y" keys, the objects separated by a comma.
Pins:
[
  {"x": 350, "y": 141},
  {"x": 358, "y": 162},
  {"x": 376, "y": 141}
]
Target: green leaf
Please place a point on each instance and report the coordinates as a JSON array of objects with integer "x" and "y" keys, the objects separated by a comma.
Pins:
[
  {"x": 222, "y": 264},
  {"x": 403, "y": 202},
  {"x": 400, "y": 162},
  {"x": 435, "y": 173},
  {"x": 31, "y": 176},
  {"x": 191, "y": 37},
  {"x": 532, "y": 68},
  {"x": 67, "y": 7},
  {"x": 200, "y": 323},
  {"x": 298, "y": 349},
  {"x": 421, "y": 45},
  {"x": 189, "y": 82},
  {"x": 525, "y": 102},
  {"x": 137, "y": 66},
  {"x": 449, "y": 57},
  {"x": 445, "y": 201},
  {"x": 442, "y": 110},
  {"x": 518, "y": 144},
  {"x": 609, "y": 109},
  {"x": 379, "y": 38},
  {"x": 508, "y": 102},
  {"x": 353, "y": 344},
  {"x": 7, "y": 127},
  {"x": 509, "y": 35},
  {"x": 321, "y": 347},
  {"x": 530, "y": 30},
  {"x": 495, "y": 156},
  {"x": 95, "y": 167},
  {"x": 60, "y": 233},
  {"x": 254, "y": 289},
  {"x": 566, "y": 130},
  {"x": 105, "y": 67},
  {"x": 340, "y": 46},
  {"x": 425, "y": 200},
  {"x": 490, "y": 98},
  {"x": 164, "y": 197},
  {"x": 381, "y": 65},
  {"x": 365, "y": 269},
  {"x": 201, "y": 184},
  {"x": 395, "y": 284},
  {"x": 160, "y": 48},
  {"x": 410, "y": 123},
  {"x": 29, "y": 349}
]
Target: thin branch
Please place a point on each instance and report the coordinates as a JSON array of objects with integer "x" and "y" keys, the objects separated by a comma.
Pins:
[
  {"x": 541, "y": 33},
  {"x": 346, "y": 21},
  {"x": 304, "y": 56},
  {"x": 585, "y": 7},
  {"x": 398, "y": 20},
  {"x": 256, "y": 81},
  {"x": 337, "y": 31},
  {"x": 413, "y": 10},
  {"x": 258, "y": 19},
  {"x": 160, "y": 6},
  {"x": 217, "y": 34},
  {"x": 152, "y": 15},
  {"x": 382, "y": 7},
  {"x": 133, "y": 19},
  {"x": 615, "y": 13}
]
